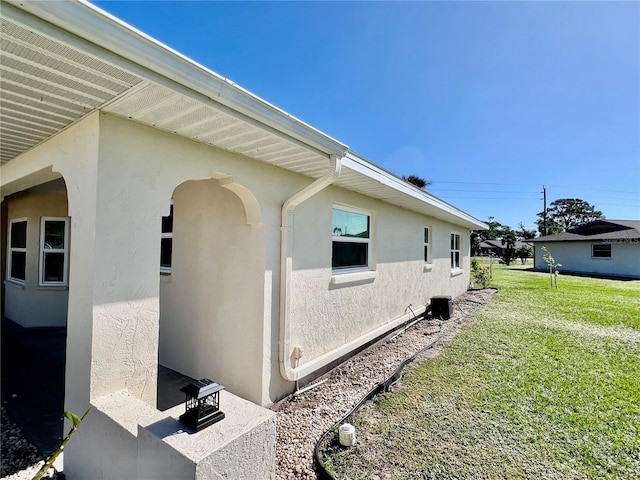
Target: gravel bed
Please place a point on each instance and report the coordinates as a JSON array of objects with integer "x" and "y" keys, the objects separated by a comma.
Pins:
[
  {"x": 302, "y": 420},
  {"x": 20, "y": 459}
]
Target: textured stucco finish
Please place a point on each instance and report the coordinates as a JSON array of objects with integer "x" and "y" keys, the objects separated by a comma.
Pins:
[
  {"x": 152, "y": 444},
  {"x": 30, "y": 304},
  {"x": 576, "y": 257},
  {"x": 211, "y": 305},
  {"x": 324, "y": 315},
  {"x": 217, "y": 315}
]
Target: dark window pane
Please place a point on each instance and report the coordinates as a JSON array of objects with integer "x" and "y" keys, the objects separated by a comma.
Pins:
[
  {"x": 452, "y": 241},
  {"x": 167, "y": 222},
  {"x": 54, "y": 234},
  {"x": 426, "y": 253},
  {"x": 18, "y": 265},
  {"x": 426, "y": 235},
  {"x": 455, "y": 259},
  {"x": 166, "y": 247},
  {"x": 347, "y": 254},
  {"x": 350, "y": 224},
  {"x": 53, "y": 270},
  {"x": 601, "y": 251},
  {"x": 19, "y": 235}
]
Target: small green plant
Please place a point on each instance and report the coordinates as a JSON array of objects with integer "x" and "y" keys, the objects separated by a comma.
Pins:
[
  {"x": 481, "y": 273},
  {"x": 52, "y": 458},
  {"x": 553, "y": 266}
]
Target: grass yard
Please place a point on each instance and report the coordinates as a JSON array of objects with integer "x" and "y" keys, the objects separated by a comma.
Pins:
[{"x": 544, "y": 384}]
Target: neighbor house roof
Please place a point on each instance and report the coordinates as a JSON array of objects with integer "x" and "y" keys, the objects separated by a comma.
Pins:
[
  {"x": 65, "y": 60},
  {"x": 499, "y": 244},
  {"x": 598, "y": 230}
]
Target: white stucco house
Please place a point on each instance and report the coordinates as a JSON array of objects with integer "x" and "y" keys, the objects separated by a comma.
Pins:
[
  {"x": 166, "y": 216},
  {"x": 602, "y": 247}
]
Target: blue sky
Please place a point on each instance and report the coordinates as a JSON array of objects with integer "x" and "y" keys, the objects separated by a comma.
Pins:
[{"x": 489, "y": 100}]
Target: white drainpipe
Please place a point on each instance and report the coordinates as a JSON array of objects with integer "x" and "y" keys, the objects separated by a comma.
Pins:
[
  {"x": 286, "y": 252},
  {"x": 288, "y": 371}
]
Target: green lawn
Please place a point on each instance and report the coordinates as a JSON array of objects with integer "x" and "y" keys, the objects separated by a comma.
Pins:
[{"x": 543, "y": 384}]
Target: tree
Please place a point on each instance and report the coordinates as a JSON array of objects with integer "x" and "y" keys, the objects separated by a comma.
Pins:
[
  {"x": 419, "y": 182},
  {"x": 553, "y": 266},
  {"x": 567, "y": 213},
  {"x": 509, "y": 241},
  {"x": 525, "y": 234},
  {"x": 523, "y": 253}
]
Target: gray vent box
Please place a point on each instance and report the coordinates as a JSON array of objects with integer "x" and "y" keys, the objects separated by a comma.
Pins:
[{"x": 442, "y": 306}]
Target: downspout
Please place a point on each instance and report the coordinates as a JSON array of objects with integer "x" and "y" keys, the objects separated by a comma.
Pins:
[{"x": 286, "y": 253}]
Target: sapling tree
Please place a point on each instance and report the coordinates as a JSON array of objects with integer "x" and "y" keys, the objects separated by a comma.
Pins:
[
  {"x": 76, "y": 424},
  {"x": 553, "y": 266}
]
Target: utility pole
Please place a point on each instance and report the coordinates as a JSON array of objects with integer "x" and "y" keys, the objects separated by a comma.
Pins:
[{"x": 544, "y": 214}]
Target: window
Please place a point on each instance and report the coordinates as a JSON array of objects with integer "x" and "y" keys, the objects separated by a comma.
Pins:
[
  {"x": 54, "y": 234},
  {"x": 427, "y": 245},
  {"x": 166, "y": 243},
  {"x": 601, "y": 251},
  {"x": 17, "y": 250},
  {"x": 455, "y": 251},
  {"x": 351, "y": 238}
]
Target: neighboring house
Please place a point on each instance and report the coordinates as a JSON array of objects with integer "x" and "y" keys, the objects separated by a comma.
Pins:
[
  {"x": 167, "y": 216},
  {"x": 496, "y": 247},
  {"x": 602, "y": 247}
]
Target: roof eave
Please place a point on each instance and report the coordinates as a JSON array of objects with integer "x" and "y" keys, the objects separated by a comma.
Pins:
[
  {"x": 384, "y": 177},
  {"x": 87, "y": 21}
]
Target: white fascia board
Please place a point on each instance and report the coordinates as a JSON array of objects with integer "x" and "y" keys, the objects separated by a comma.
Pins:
[
  {"x": 368, "y": 169},
  {"x": 90, "y": 23}
]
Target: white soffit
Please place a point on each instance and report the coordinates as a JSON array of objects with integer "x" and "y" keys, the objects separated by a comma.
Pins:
[
  {"x": 361, "y": 176},
  {"x": 46, "y": 86},
  {"x": 203, "y": 121},
  {"x": 53, "y": 74}
]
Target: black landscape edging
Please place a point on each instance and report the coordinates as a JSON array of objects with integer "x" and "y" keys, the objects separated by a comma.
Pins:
[{"x": 381, "y": 387}]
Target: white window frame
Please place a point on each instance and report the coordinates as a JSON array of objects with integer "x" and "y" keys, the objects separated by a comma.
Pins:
[
  {"x": 167, "y": 270},
  {"x": 600, "y": 257},
  {"x": 455, "y": 250},
  {"x": 43, "y": 251},
  {"x": 345, "y": 239},
  {"x": 427, "y": 245},
  {"x": 11, "y": 249}
]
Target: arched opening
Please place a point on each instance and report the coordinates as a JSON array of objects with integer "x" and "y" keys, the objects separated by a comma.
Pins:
[
  {"x": 36, "y": 231},
  {"x": 212, "y": 286}
]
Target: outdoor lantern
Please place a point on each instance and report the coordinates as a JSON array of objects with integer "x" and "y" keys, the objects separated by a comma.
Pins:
[{"x": 202, "y": 404}]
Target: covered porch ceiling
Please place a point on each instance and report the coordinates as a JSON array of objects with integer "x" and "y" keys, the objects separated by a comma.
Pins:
[{"x": 64, "y": 60}]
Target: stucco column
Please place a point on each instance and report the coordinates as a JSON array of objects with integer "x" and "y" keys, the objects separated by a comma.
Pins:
[{"x": 113, "y": 320}]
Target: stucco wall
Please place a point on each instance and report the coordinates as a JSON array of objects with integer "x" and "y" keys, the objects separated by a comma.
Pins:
[
  {"x": 30, "y": 304},
  {"x": 219, "y": 312},
  {"x": 211, "y": 304},
  {"x": 326, "y": 315},
  {"x": 576, "y": 257}
]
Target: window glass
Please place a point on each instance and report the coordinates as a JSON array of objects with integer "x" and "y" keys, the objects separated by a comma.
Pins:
[
  {"x": 53, "y": 251},
  {"x": 348, "y": 254},
  {"x": 53, "y": 270},
  {"x": 19, "y": 235},
  {"x": 166, "y": 243},
  {"x": 602, "y": 251},
  {"x": 54, "y": 234},
  {"x": 18, "y": 265},
  {"x": 427, "y": 255},
  {"x": 166, "y": 250},
  {"x": 167, "y": 222},
  {"x": 350, "y": 224},
  {"x": 351, "y": 238},
  {"x": 455, "y": 250}
]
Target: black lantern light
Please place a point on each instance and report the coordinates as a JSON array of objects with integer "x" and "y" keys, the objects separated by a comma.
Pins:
[{"x": 202, "y": 404}]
